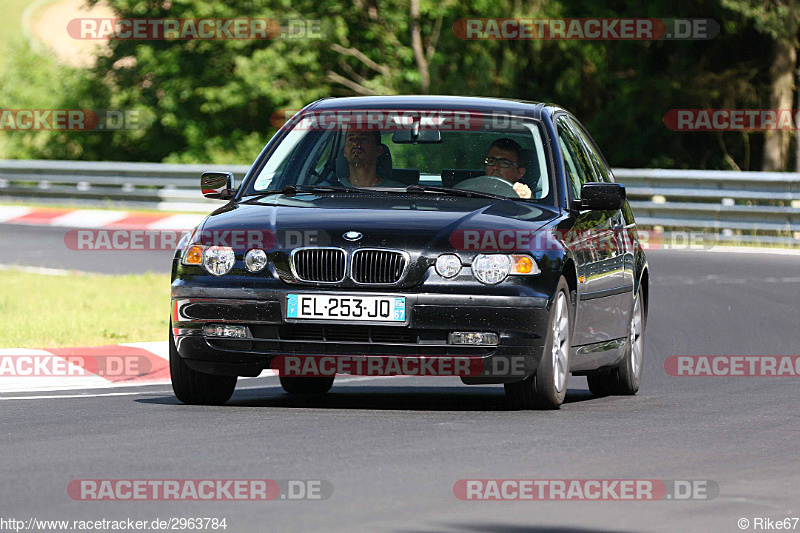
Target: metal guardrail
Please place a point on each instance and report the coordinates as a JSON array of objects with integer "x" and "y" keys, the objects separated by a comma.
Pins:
[
  {"x": 143, "y": 185},
  {"x": 762, "y": 206},
  {"x": 758, "y": 206}
]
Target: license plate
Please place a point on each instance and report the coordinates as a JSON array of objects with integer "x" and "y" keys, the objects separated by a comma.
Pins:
[{"x": 336, "y": 307}]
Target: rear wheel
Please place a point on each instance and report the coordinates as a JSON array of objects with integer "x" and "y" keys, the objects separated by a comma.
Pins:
[
  {"x": 197, "y": 388},
  {"x": 548, "y": 387},
  {"x": 306, "y": 385},
  {"x": 626, "y": 378}
]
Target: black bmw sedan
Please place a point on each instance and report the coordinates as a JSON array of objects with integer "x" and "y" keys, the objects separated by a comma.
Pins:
[{"x": 426, "y": 235}]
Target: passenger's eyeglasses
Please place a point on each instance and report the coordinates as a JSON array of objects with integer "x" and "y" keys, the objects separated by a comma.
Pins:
[{"x": 502, "y": 161}]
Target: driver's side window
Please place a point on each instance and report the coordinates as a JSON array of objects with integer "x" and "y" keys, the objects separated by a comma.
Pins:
[
  {"x": 324, "y": 159},
  {"x": 576, "y": 162},
  {"x": 574, "y": 176}
]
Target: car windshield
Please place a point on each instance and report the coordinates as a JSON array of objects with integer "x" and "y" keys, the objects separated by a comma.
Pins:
[{"x": 390, "y": 150}]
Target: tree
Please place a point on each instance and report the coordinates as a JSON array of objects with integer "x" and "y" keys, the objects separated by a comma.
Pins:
[{"x": 778, "y": 19}]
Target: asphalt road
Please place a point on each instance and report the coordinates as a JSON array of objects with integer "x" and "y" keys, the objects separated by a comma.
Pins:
[
  {"x": 44, "y": 246},
  {"x": 393, "y": 448}
]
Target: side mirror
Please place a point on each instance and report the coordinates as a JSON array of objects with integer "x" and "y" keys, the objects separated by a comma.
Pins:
[
  {"x": 601, "y": 197},
  {"x": 217, "y": 185}
]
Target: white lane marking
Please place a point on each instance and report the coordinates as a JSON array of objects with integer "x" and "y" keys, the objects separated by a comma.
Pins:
[
  {"x": 60, "y": 396},
  {"x": 366, "y": 378},
  {"x": 38, "y": 270},
  {"x": 106, "y": 385},
  {"x": 177, "y": 222},
  {"x": 732, "y": 250},
  {"x": 10, "y": 212},
  {"x": 105, "y": 394},
  {"x": 714, "y": 279},
  {"x": 86, "y": 218}
]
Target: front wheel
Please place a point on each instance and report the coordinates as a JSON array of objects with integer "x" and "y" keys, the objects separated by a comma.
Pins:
[
  {"x": 197, "y": 388},
  {"x": 548, "y": 387},
  {"x": 626, "y": 378}
]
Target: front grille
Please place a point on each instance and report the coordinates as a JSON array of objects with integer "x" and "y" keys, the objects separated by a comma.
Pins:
[
  {"x": 378, "y": 266},
  {"x": 319, "y": 264}
]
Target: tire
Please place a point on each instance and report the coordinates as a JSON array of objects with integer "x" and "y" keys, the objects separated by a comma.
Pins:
[
  {"x": 196, "y": 388},
  {"x": 547, "y": 388},
  {"x": 625, "y": 378},
  {"x": 307, "y": 385}
]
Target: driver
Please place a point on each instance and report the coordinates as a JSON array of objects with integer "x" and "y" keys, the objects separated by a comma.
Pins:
[
  {"x": 361, "y": 150},
  {"x": 503, "y": 161}
]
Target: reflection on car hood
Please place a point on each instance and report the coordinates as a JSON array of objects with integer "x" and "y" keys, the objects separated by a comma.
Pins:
[{"x": 404, "y": 221}]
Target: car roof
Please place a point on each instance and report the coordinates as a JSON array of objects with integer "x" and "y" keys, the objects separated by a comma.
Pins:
[{"x": 472, "y": 103}]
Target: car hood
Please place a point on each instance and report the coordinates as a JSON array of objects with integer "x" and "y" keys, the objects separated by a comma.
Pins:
[{"x": 415, "y": 223}]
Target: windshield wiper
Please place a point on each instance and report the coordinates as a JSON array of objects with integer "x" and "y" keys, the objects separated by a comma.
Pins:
[
  {"x": 448, "y": 191},
  {"x": 291, "y": 190}
]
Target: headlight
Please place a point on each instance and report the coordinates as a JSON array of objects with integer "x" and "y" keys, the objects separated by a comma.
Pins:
[
  {"x": 448, "y": 265},
  {"x": 255, "y": 260},
  {"x": 491, "y": 269},
  {"x": 218, "y": 260}
]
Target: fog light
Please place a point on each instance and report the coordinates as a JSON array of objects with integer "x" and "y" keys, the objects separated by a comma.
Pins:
[
  {"x": 255, "y": 260},
  {"x": 476, "y": 338},
  {"x": 223, "y": 330}
]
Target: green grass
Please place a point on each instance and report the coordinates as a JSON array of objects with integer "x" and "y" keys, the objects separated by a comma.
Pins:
[{"x": 43, "y": 311}]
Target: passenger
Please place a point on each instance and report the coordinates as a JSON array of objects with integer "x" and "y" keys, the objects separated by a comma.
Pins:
[
  {"x": 503, "y": 161},
  {"x": 361, "y": 150}
]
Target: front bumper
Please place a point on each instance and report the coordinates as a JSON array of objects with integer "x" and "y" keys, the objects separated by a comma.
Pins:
[{"x": 520, "y": 322}]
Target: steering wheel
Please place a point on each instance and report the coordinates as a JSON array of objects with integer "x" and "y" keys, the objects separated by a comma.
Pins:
[
  {"x": 490, "y": 184},
  {"x": 329, "y": 181}
]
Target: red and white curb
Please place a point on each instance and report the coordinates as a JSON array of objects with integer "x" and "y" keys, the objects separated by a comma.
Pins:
[
  {"x": 23, "y": 369},
  {"x": 96, "y": 218},
  {"x": 95, "y": 367}
]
